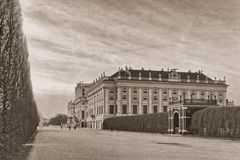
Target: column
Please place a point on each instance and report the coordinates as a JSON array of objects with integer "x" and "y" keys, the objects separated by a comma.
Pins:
[
  {"x": 130, "y": 101},
  {"x": 106, "y": 100},
  {"x": 179, "y": 95},
  {"x": 180, "y": 120},
  {"x": 224, "y": 99},
  {"x": 170, "y": 93},
  {"x": 207, "y": 94},
  {"x": 160, "y": 100},
  {"x": 119, "y": 111},
  {"x": 198, "y": 94},
  {"x": 140, "y": 111},
  {"x": 188, "y": 94},
  {"x": 150, "y": 100},
  {"x": 169, "y": 120}
]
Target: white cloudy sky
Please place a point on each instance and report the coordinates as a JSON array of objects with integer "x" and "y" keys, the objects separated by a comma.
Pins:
[{"x": 76, "y": 40}]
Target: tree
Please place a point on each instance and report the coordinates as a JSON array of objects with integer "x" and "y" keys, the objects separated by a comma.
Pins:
[{"x": 58, "y": 119}]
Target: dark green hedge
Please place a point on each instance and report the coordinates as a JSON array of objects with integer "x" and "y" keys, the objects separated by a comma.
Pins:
[
  {"x": 157, "y": 122},
  {"x": 223, "y": 121}
]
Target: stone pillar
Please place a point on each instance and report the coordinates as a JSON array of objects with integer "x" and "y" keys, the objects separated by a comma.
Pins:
[
  {"x": 106, "y": 100},
  {"x": 130, "y": 101},
  {"x": 140, "y": 111},
  {"x": 188, "y": 94},
  {"x": 119, "y": 111},
  {"x": 207, "y": 94},
  {"x": 198, "y": 94},
  {"x": 150, "y": 100},
  {"x": 224, "y": 99},
  {"x": 179, "y": 94},
  {"x": 160, "y": 100},
  {"x": 169, "y": 120}
]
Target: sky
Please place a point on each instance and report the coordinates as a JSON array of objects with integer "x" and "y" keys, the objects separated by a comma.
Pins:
[{"x": 76, "y": 40}]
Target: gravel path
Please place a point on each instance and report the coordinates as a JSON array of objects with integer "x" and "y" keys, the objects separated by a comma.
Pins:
[{"x": 85, "y": 144}]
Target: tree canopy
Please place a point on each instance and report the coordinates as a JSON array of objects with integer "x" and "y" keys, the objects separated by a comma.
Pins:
[{"x": 58, "y": 119}]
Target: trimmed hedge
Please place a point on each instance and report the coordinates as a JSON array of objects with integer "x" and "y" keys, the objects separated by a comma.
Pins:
[
  {"x": 157, "y": 122},
  {"x": 222, "y": 121}
]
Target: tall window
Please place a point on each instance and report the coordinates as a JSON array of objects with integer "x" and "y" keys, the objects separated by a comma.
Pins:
[
  {"x": 155, "y": 109},
  {"x": 111, "y": 109},
  {"x": 135, "y": 109},
  {"x": 82, "y": 114},
  {"x": 145, "y": 109},
  {"x": 165, "y": 108},
  {"x": 124, "y": 109},
  {"x": 83, "y": 92}
]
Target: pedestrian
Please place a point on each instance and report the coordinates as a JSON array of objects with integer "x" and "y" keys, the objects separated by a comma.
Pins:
[
  {"x": 69, "y": 127},
  {"x": 61, "y": 126},
  {"x": 111, "y": 128},
  {"x": 75, "y": 126}
]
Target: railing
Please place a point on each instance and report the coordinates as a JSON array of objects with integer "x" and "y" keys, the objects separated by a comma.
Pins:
[
  {"x": 195, "y": 102},
  {"x": 173, "y": 80}
]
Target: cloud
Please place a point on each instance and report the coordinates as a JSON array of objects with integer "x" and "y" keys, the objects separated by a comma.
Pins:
[{"x": 71, "y": 41}]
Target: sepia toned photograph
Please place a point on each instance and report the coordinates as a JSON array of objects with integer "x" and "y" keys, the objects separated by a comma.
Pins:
[{"x": 119, "y": 79}]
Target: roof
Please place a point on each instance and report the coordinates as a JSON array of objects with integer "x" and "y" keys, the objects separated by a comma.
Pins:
[{"x": 165, "y": 75}]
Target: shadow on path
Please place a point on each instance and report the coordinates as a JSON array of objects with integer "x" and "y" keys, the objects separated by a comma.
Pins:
[{"x": 26, "y": 148}]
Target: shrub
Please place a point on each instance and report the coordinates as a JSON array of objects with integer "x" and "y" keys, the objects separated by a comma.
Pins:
[
  {"x": 223, "y": 121},
  {"x": 157, "y": 122}
]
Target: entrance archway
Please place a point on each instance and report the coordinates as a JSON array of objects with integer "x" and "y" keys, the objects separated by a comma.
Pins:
[
  {"x": 176, "y": 123},
  {"x": 82, "y": 125}
]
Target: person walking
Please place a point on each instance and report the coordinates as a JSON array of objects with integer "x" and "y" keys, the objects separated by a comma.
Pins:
[
  {"x": 69, "y": 127},
  {"x": 61, "y": 126}
]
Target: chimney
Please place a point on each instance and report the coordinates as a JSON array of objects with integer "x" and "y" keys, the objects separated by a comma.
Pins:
[{"x": 198, "y": 78}]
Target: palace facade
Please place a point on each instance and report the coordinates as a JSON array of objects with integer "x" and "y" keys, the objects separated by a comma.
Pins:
[{"x": 131, "y": 92}]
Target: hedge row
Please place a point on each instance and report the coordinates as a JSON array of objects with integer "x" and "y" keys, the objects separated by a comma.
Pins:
[
  {"x": 18, "y": 110},
  {"x": 157, "y": 122},
  {"x": 222, "y": 121}
]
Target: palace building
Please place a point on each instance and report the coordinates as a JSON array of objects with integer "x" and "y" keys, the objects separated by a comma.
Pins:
[{"x": 132, "y": 92}]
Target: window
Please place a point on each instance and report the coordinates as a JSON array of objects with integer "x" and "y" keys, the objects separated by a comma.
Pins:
[
  {"x": 155, "y": 109},
  {"x": 124, "y": 109},
  {"x": 145, "y": 91},
  {"x": 155, "y": 98},
  {"x": 124, "y": 97},
  {"x": 135, "y": 90},
  {"x": 111, "y": 109},
  {"x": 83, "y": 92},
  {"x": 135, "y": 98},
  {"x": 145, "y": 109},
  {"x": 111, "y": 91},
  {"x": 165, "y": 108},
  {"x": 134, "y": 109},
  {"x": 145, "y": 98},
  {"x": 111, "y": 98},
  {"x": 124, "y": 90}
]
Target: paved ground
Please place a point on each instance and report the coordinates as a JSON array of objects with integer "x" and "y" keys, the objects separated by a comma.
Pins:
[{"x": 84, "y": 144}]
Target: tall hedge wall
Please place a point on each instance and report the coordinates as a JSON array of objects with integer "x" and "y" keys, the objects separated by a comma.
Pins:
[
  {"x": 18, "y": 110},
  {"x": 223, "y": 121},
  {"x": 157, "y": 122}
]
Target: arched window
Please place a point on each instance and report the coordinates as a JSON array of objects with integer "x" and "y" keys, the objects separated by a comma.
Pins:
[{"x": 83, "y": 92}]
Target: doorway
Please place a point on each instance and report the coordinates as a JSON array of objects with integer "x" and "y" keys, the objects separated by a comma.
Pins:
[{"x": 176, "y": 123}]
